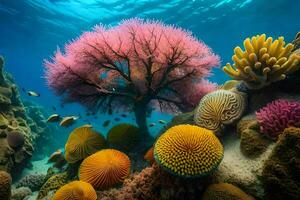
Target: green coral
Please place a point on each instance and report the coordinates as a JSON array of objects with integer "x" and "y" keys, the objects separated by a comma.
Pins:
[{"x": 281, "y": 171}]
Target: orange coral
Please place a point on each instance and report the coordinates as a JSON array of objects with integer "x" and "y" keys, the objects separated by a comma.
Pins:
[
  {"x": 76, "y": 190},
  {"x": 5, "y": 185},
  {"x": 82, "y": 142},
  {"x": 149, "y": 156},
  {"x": 105, "y": 168}
]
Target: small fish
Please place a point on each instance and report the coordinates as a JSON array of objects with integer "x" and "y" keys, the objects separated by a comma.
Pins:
[
  {"x": 53, "y": 118},
  {"x": 152, "y": 124},
  {"x": 113, "y": 89},
  {"x": 117, "y": 119},
  {"x": 124, "y": 115},
  {"x": 68, "y": 121},
  {"x": 106, "y": 123},
  {"x": 54, "y": 108},
  {"x": 33, "y": 94},
  {"x": 55, "y": 156},
  {"x": 162, "y": 121},
  {"x": 23, "y": 89},
  {"x": 110, "y": 111}
]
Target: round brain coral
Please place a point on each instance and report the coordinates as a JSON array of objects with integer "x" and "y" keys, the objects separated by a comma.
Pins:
[
  {"x": 263, "y": 62},
  {"x": 188, "y": 151},
  {"x": 123, "y": 136},
  {"x": 218, "y": 108},
  {"x": 105, "y": 168},
  {"x": 82, "y": 142},
  {"x": 278, "y": 115},
  {"x": 5, "y": 185},
  {"x": 78, "y": 190}
]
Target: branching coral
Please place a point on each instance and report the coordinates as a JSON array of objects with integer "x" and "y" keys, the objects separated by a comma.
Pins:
[
  {"x": 188, "y": 151},
  {"x": 263, "y": 62},
  {"x": 218, "y": 108},
  {"x": 105, "y": 168},
  {"x": 82, "y": 142},
  {"x": 278, "y": 115},
  {"x": 76, "y": 190}
]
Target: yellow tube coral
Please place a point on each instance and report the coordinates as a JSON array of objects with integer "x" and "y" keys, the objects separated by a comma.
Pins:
[{"x": 263, "y": 62}]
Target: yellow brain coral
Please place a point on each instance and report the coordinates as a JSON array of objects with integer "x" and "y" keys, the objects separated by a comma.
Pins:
[
  {"x": 218, "y": 108},
  {"x": 188, "y": 151},
  {"x": 82, "y": 142},
  {"x": 123, "y": 136},
  {"x": 264, "y": 61},
  {"x": 105, "y": 168},
  {"x": 76, "y": 190}
]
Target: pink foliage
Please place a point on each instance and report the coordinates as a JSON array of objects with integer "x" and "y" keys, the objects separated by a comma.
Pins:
[
  {"x": 134, "y": 60},
  {"x": 278, "y": 115}
]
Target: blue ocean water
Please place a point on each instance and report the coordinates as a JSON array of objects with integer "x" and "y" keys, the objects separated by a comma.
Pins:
[{"x": 31, "y": 30}]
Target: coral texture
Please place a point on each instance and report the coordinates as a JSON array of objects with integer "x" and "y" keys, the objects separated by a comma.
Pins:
[
  {"x": 82, "y": 142},
  {"x": 218, "y": 108},
  {"x": 20, "y": 193},
  {"x": 32, "y": 181},
  {"x": 129, "y": 65},
  {"x": 278, "y": 115},
  {"x": 5, "y": 185},
  {"x": 281, "y": 171},
  {"x": 76, "y": 190},
  {"x": 123, "y": 137},
  {"x": 188, "y": 151},
  {"x": 263, "y": 62},
  {"x": 105, "y": 168},
  {"x": 225, "y": 191}
]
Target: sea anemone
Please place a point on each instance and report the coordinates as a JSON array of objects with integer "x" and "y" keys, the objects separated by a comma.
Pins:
[
  {"x": 278, "y": 115},
  {"x": 105, "y": 168},
  {"x": 188, "y": 151},
  {"x": 76, "y": 190},
  {"x": 82, "y": 142}
]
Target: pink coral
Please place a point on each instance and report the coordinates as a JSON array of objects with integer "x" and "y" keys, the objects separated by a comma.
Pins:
[
  {"x": 132, "y": 64},
  {"x": 278, "y": 115}
]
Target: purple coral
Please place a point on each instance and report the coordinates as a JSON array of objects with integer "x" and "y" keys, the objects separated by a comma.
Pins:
[{"x": 278, "y": 115}]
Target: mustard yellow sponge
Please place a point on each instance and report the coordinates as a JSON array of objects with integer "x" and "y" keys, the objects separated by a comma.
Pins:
[
  {"x": 76, "y": 190},
  {"x": 188, "y": 151},
  {"x": 264, "y": 61}
]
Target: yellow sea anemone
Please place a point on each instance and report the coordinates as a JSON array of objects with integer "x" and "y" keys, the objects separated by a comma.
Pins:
[
  {"x": 105, "y": 168},
  {"x": 188, "y": 151},
  {"x": 78, "y": 190},
  {"x": 123, "y": 136},
  {"x": 264, "y": 61},
  {"x": 82, "y": 142}
]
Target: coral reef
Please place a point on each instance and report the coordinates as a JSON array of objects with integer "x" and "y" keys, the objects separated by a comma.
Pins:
[
  {"x": 188, "y": 151},
  {"x": 32, "y": 181},
  {"x": 15, "y": 139},
  {"x": 225, "y": 191},
  {"x": 281, "y": 171},
  {"x": 20, "y": 193},
  {"x": 263, "y": 62},
  {"x": 5, "y": 185},
  {"x": 278, "y": 115},
  {"x": 123, "y": 137},
  {"x": 252, "y": 143},
  {"x": 82, "y": 142},
  {"x": 219, "y": 108},
  {"x": 76, "y": 190},
  {"x": 105, "y": 168}
]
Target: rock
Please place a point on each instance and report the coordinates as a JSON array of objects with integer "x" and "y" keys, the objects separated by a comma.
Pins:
[
  {"x": 33, "y": 181},
  {"x": 20, "y": 193},
  {"x": 281, "y": 172},
  {"x": 225, "y": 191}
]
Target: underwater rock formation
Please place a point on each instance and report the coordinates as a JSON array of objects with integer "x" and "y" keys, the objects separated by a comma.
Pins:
[
  {"x": 225, "y": 191},
  {"x": 5, "y": 185},
  {"x": 20, "y": 193},
  {"x": 263, "y": 62},
  {"x": 281, "y": 172},
  {"x": 32, "y": 181}
]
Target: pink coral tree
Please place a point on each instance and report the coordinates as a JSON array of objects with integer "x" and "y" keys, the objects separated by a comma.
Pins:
[
  {"x": 130, "y": 65},
  {"x": 278, "y": 115}
]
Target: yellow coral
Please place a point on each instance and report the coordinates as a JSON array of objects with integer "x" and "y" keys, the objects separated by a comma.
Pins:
[
  {"x": 264, "y": 61},
  {"x": 76, "y": 190},
  {"x": 82, "y": 142},
  {"x": 188, "y": 151},
  {"x": 218, "y": 108},
  {"x": 105, "y": 168}
]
